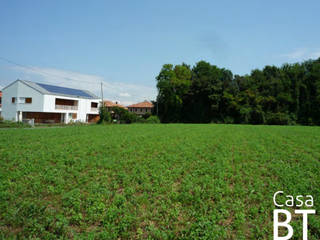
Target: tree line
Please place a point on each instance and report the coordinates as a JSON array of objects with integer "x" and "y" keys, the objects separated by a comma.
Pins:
[{"x": 205, "y": 93}]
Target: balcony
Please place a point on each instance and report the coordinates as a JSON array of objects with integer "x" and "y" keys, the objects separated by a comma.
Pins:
[
  {"x": 66, "y": 104},
  {"x": 94, "y": 109},
  {"x": 66, "y": 107}
]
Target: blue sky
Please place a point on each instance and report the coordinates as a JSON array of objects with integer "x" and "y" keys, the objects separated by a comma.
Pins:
[{"x": 125, "y": 43}]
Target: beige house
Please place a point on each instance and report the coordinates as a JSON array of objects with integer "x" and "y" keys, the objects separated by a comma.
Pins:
[{"x": 141, "y": 108}]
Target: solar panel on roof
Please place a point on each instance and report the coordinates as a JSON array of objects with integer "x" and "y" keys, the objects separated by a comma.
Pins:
[{"x": 63, "y": 90}]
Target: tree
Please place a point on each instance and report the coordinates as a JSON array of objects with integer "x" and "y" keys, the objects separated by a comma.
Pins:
[
  {"x": 206, "y": 93},
  {"x": 105, "y": 116},
  {"x": 172, "y": 83}
]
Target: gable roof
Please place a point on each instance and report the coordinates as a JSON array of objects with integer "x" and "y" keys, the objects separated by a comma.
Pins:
[
  {"x": 57, "y": 90},
  {"x": 108, "y": 103},
  {"x": 144, "y": 104}
]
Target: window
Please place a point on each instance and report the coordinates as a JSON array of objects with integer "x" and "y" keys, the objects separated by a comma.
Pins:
[
  {"x": 28, "y": 100},
  {"x": 13, "y": 100},
  {"x": 94, "y": 105}
]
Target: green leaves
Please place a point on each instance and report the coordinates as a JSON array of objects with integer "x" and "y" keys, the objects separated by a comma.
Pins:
[{"x": 206, "y": 93}]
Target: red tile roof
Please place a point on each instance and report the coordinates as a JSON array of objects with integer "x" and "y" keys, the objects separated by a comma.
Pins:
[
  {"x": 144, "y": 104},
  {"x": 112, "y": 104}
]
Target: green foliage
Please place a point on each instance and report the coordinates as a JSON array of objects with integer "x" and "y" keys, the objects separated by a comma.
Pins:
[
  {"x": 278, "y": 118},
  {"x": 173, "y": 84},
  {"x": 146, "y": 115},
  {"x": 154, "y": 181},
  {"x": 153, "y": 119},
  {"x": 12, "y": 124},
  {"x": 205, "y": 93},
  {"x": 129, "y": 117},
  {"x": 105, "y": 116},
  {"x": 123, "y": 115}
]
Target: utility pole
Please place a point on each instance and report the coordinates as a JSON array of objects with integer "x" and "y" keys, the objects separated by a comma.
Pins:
[
  {"x": 157, "y": 108},
  {"x": 102, "y": 95}
]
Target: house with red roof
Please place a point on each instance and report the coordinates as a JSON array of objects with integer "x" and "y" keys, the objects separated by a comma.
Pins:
[
  {"x": 141, "y": 108},
  {"x": 109, "y": 105}
]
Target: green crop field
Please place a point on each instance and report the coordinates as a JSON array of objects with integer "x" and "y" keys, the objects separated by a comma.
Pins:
[{"x": 155, "y": 181}]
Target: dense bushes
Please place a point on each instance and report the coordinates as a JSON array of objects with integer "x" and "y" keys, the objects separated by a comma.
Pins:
[
  {"x": 153, "y": 119},
  {"x": 205, "y": 93},
  {"x": 12, "y": 124},
  {"x": 121, "y": 115},
  {"x": 278, "y": 119}
]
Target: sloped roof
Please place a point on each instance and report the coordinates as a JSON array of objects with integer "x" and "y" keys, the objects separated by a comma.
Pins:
[
  {"x": 144, "y": 104},
  {"x": 108, "y": 103},
  {"x": 58, "y": 90}
]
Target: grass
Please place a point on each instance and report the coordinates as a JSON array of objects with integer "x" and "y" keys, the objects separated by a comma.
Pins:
[
  {"x": 11, "y": 124},
  {"x": 154, "y": 181}
]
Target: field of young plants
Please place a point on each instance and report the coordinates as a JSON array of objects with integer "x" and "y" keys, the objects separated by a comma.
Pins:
[{"x": 154, "y": 181}]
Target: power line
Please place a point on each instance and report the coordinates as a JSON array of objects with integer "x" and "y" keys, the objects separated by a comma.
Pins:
[
  {"x": 66, "y": 78},
  {"x": 44, "y": 72}
]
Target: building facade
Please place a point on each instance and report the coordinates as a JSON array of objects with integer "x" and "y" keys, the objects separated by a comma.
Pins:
[
  {"x": 141, "y": 108},
  {"x": 47, "y": 103}
]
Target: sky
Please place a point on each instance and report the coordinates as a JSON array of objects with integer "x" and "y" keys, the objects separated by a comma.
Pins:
[{"x": 125, "y": 43}]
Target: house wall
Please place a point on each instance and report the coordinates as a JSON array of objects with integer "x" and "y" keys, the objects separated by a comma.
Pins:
[
  {"x": 92, "y": 118},
  {"x": 18, "y": 90},
  {"x": 42, "y": 117},
  {"x": 84, "y": 107},
  {"x": 139, "y": 111},
  {"x": 50, "y": 104},
  {"x": 9, "y": 110}
]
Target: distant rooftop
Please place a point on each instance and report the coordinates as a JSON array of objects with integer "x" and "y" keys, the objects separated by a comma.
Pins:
[
  {"x": 145, "y": 104},
  {"x": 110, "y": 104}
]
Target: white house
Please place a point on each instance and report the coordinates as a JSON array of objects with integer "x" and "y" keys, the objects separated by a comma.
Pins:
[{"x": 47, "y": 103}]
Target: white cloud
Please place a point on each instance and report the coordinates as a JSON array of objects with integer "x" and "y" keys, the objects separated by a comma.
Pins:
[
  {"x": 124, "y": 93},
  {"x": 302, "y": 54}
]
